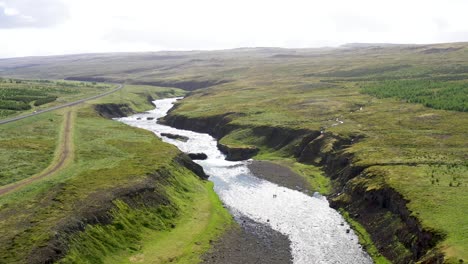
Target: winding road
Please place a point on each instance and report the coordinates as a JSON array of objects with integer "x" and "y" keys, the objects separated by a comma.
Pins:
[{"x": 65, "y": 148}]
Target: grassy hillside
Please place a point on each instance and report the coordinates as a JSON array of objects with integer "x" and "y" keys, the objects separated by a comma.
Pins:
[{"x": 121, "y": 194}]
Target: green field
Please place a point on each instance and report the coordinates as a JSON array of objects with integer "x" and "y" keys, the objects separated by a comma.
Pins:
[
  {"x": 19, "y": 96},
  {"x": 121, "y": 185},
  {"x": 27, "y": 146}
]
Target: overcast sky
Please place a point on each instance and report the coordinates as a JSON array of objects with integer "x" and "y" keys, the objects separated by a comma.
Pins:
[{"x": 46, "y": 27}]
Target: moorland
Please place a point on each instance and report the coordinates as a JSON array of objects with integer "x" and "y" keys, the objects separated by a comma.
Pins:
[{"x": 380, "y": 129}]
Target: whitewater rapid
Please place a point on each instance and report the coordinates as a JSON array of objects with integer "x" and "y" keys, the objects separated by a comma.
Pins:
[{"x": 318, "y": 233}]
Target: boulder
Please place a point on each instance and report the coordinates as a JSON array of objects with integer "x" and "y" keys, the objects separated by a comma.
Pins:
[
  {"x": 238, "y": 153},
  {"x": 198, "y": 156},
  {"x": 175, "y": 136}
]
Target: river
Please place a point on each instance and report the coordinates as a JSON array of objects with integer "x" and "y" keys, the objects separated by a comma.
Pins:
[{"x": 318, "y": 233}]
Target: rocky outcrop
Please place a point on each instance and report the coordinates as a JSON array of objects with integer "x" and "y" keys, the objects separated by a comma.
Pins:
[
  {"x": 197, "y": 156},
  {"x": 175, "y": 136},
  {"x": 217, "y": 125},
  {"x": 402, "y": 240},
  {"x": 186, "y": 162},
  {"x": 238, "y": 153},
  {"x": 113, "y": 110}
]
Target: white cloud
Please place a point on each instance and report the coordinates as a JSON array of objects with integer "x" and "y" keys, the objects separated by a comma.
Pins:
[
  {"x": 31, "y": 14},
  {"x": 10, "y": 11},
  {"x": 140, "y": 25}
]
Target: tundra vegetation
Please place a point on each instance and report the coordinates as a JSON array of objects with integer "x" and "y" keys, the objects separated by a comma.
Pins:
[{"x": 390, "y": 123}]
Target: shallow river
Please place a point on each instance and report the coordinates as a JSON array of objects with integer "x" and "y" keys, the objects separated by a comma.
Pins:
[{"x": 317, "y": 232}]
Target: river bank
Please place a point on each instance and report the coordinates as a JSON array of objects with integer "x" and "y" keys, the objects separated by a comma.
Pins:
[
  {"x": 280, "y": 175},
  {"x": 317, "y": 232},
  {"x": 357, "y": 188},
  {"x": 249, "y": 242}
]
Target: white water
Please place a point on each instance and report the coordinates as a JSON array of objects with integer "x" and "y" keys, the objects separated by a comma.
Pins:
[{"x": 318, "y": 233}]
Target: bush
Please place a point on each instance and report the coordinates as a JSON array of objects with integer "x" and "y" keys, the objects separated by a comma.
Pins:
[
  {"x": 434, "y": 94},
  {"x": 46, "y": 100}
]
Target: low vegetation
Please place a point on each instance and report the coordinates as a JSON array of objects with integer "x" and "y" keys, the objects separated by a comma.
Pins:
[
  {"x": 421, "y": 152},
  {"x": 450, "y": 95},
  {"x": 396, "y": 114},
  {"x": 17, "y": 96},
  {"x": 27, "y": 146},
  {"x": 123, "y": 185},
  {"x": 409, "y": 130}
]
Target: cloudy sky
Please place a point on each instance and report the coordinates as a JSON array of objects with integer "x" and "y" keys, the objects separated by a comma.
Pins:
[{"x": 46, "y": 27}]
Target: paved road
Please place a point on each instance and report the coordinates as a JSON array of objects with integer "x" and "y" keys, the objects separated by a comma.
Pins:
[{"x": 9, "y": 120}]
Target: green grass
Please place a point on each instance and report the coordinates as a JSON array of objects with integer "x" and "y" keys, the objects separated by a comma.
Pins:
[
  {"x": 19, "y": 96},
  {"x": 110, "y": 158},
  {"x": 107, "y": 155},
  {"x": 439, "y": 203},
  {"x": 137, "y": 96},
  {"x": 178, "y": 233},
  {"x": 395, "y": 132},
  {"x": 311, "y": 89},
  {"x": 201, "y": 219},
  {"x": 434, "y": 94},
  {"x": 27, "y": 146}
]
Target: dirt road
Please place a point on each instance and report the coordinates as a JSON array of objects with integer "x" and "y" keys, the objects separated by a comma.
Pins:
[
  {"x": 65, "y": 152},
  {"x": 65, "y": 145}
]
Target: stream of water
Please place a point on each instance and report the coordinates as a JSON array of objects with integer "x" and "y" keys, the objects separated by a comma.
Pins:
[{"x": 318, "y": 233}]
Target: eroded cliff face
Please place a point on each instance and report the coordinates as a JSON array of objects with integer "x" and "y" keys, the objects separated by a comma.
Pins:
[
  {"x": 98, "y": 207},
  {"x": 114, "y": 110},
  {"x": 147, "y": 193},
  {"x": 397, "y": 234}
]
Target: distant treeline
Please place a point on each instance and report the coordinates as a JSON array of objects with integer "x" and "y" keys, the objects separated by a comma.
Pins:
[
  {"x": 45, "y": 100},
  {"x": 14, "y": 105},
  {"x": 21, "y": 99},
  {"x": 435, "y": 94},
  {"x": 20, "y": 95}
]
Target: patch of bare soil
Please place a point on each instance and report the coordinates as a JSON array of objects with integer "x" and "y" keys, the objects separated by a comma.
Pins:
[
  {"x": 280, "y": 175},
  {"x": 250, "y": 242}
]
